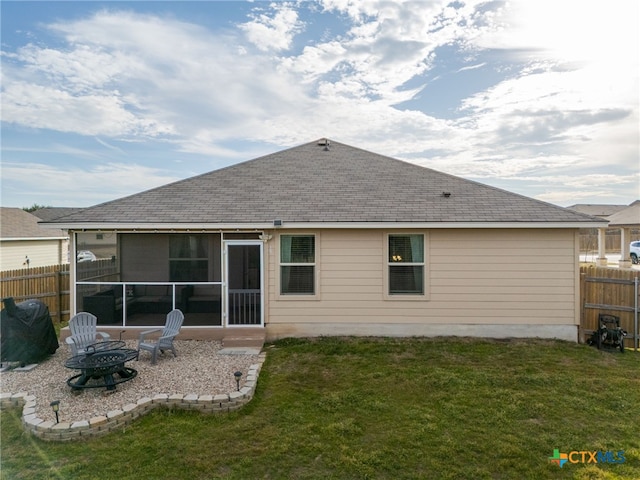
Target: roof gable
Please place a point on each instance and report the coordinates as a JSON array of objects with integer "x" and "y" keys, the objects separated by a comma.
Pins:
[
  {"x": 16, "y": 223},
  {"x": 629, "y": 217},
  {"x": 47, "y": 214},
  {"x": 317, "y": 183},
  {"x": 597, "y": 210}
]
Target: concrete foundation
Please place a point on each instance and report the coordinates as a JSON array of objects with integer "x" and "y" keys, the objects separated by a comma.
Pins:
[
  {"x": 560, "y": 332},
  {"x": 245, "y": 336},
  {"x": 254, "y": 337}
]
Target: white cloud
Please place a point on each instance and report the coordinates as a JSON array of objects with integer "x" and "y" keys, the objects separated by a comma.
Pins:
[
  {"x": 89, "y": 69},
  {"x": 166, "y": 77},
  {"x": 77, "y": 186},
  {"x": 584, "y": 65},
  {"x": 40, "y": 106},
  {"x": 162, "y": 41},
  {"x": 316, "y": 60},
  {"x": 569, "y": 30},
  {"x": 163, "y": 78},
  {"x": 386, "y": 47},
  {"x": 567, "y": 190},
  {"x": 273, "y": 32},
  {"x": 127, "y": 76},
  {"x": 472, "y": 67}
]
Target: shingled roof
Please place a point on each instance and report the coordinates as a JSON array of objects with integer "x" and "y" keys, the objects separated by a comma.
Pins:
[
  {"x": 597, "y": 210},
  {"x": 629, "y": 217},
  {"x": 324, "y": 184},
  {"x": 50, "y": 213},
  {"x": 17, "y": 224}
]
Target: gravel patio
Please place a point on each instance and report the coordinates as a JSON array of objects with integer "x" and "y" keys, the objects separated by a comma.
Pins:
[{"x": 201, "y": 368}]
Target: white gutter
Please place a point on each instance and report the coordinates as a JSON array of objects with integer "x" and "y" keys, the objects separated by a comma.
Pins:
[
  {"x": 21, "y": 239},
  {"x": 160, "y": 227},
  {"x": 208, "y": 227},
  {"x": 447, "y": 225}
]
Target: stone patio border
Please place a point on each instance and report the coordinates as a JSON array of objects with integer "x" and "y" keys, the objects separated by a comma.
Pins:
[{"x": 118, "y": 419}]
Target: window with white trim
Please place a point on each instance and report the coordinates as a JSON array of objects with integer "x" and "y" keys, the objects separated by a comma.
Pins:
[
  {"x": 406, "y": 264},
  {"x": 297, "y": 264}
]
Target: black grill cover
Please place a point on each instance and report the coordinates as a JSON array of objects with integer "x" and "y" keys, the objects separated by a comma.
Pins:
[{"x": 27, "y": 333}]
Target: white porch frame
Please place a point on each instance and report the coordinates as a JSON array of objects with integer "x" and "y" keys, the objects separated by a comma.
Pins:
[{"x": 225, "y": 284}]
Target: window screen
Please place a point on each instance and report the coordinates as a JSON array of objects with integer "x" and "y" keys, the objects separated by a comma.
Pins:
[
  {"x": 188, "y": 258},
  {"x": 297, "y": 264},
  {"x": 406, "y": 264}
]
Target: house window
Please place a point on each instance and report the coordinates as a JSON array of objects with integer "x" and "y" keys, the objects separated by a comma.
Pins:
[
  {"x": 188, "y": 258},
  {"x": 297, "y": 264},
  {"x": 406, "y": 264}
]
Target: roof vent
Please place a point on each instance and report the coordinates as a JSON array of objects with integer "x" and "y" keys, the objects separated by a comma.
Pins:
[
  {"x": 446, "y": 194},
  {"x": 324, "y": 143}
]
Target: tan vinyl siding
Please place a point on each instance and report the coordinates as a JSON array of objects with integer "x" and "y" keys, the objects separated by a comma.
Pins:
[
  {"x": 482, "y": 276},
  {"x": 504, "y": 276},
  {"x": 41, "y": 253}
]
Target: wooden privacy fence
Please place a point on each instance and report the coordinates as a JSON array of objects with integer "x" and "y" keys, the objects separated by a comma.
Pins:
[
  {"x": 51, "y": 284},
  {"x": 611, "y": 291},
  {"x": 48, "y": 284}
]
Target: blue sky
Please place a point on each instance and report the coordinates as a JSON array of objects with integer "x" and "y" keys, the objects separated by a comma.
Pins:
[{"x": 106, "y": 99}]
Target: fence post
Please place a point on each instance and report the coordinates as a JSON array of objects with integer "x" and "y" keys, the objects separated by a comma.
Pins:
[
  {"x": 59, "y": 294},
  {"x": 635, "y": 314}
]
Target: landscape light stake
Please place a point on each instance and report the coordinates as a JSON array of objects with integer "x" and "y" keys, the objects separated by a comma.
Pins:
[
  {"x": 55, "y": 406},
  {"x": 238, "y": 375}
]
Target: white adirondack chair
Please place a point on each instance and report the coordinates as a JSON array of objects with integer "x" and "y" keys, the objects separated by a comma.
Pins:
[
  {"x": 84, "y": 332},
  {"x": 165, "y": 341}
]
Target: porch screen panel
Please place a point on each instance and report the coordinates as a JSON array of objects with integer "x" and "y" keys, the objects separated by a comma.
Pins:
[
  {"x": 406, "y": 264},
  {"x": 297, "y": 265},
  {"x": 97, "y": 257},
  {"x": 188, "y": 258}
]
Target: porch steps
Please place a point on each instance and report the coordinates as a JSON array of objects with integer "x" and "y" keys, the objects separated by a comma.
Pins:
[{"x": 244, "y": 338}]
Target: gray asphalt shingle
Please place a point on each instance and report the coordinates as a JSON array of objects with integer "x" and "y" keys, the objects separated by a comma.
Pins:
[
  {"x": 17, "y": 223},
  {"x": 309, "y": 183}
]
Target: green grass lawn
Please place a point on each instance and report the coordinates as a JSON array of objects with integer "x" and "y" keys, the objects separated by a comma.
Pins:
[{"x": 379, "y": 408}]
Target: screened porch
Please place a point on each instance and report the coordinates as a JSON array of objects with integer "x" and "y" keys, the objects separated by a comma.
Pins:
[{"x": 215, "y": 279}]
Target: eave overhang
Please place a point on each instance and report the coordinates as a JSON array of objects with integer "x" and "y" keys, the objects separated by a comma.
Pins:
[
  {"x": 32, "y": 239},
  {"x": 206, "y": 227}
]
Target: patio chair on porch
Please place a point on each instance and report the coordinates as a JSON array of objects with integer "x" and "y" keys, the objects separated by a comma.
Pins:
[
  {"x": 165, "y": 341},
  {"x": 84, "y": 332}
]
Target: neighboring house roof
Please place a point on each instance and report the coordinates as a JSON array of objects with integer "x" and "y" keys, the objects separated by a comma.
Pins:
[
  {"x": 629, "y": 217},
  {"x": 49, "y": 213},
  {"x": 334, "y": 185},
  {"x": 597, "y": 210},
  {"x": 17, "y": 224}
]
